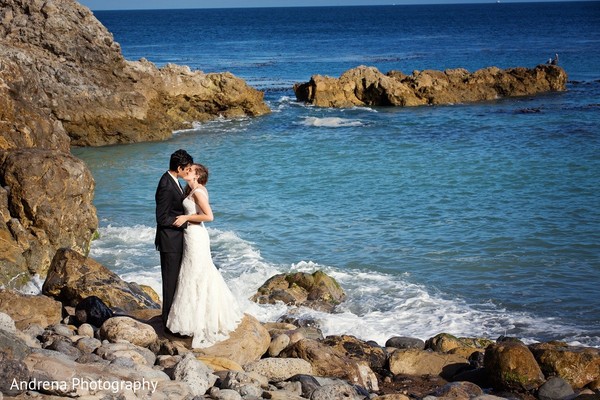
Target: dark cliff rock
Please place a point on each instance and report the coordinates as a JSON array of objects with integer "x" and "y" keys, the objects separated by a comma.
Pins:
[{"x": 366, "y": 86}]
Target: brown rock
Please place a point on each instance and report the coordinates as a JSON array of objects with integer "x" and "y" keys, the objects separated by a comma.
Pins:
[
  {"x": 511, "y": 366},
  {"x": 48, "y": 205},
  {"x": 247, "y": 343},
  {"x": 366, "y": 86},
  {"x": 331, "y": 361},
  {"x": 444, "y": 343},
  {"x": 220, "y": 363},
  {"x": 459, "y": 391},
  {"x": 64, "y": 71},
  {"x": 421, "y": 362},
  {"x": 579, "y": 366},
  {"x": 27, "y": 309},
  {"x": 316, "y": 290},
  {"x": 358, "y": 350},
  {"x": 126, "y": 328},
  {"x": 73, "y": 277}
]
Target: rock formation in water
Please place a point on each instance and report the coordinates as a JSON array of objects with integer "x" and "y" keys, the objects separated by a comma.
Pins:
[
  {"x": 62, "y": 69},
  {"x": 63, "y": 83},
  {"x": 367, "y": 86}
]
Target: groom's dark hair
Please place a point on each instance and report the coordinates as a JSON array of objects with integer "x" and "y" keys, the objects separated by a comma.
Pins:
[{"x": 180, "y": 158}]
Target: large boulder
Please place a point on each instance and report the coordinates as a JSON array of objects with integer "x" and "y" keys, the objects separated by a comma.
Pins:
[
  {"x": 332, "y": 361},
  {"x": 367, "y": 86},
  {"x": 247, "y": 343},
  {"x": 317, "y": 290},
  {"x": 579, "y": 366},
  {"x": 45, "y": 204},
  {"x": 39, "y": 309},
  {"x": 511, "y": 366},
  {"x": 63, "y": 67},
  {"x": 73, "y": 277},
  {"x": 417, "y": 362}
]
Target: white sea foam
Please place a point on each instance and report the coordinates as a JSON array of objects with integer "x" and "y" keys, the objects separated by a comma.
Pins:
[
  {"x": 361, "y": 108},
  {"x": 378, "y": 305},
  {"x": 331, "y": 122}
]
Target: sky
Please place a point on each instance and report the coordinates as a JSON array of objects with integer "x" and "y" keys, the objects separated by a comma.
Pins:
[{"x": 170, "y": 4}]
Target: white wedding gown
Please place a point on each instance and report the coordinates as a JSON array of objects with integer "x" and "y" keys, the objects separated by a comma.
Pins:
[{"x": 203, "y": 305}]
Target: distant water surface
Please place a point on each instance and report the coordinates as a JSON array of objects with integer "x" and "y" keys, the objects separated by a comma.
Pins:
[{"x": 472, "y": 219}]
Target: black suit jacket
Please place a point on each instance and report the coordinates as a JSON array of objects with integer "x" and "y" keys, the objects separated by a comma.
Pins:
[{"x": 169, "y": 205}]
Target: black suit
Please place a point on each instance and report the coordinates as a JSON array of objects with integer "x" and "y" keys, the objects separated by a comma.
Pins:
[{"x": 169, "y": 239}]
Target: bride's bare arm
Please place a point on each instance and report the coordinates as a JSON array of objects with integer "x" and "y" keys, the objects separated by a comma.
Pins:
[{"x": 206, "y": 214}]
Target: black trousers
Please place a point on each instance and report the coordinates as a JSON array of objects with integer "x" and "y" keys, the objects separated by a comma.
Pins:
[{"x": 170, "y": 263}]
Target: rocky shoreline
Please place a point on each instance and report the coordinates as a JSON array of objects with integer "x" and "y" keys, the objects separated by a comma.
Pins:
[
  {"x": 68, "y": 342},
  {"x": 63, "y": 83}
]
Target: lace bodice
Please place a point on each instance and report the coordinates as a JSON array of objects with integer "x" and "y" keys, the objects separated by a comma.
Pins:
[{"x": 190, "y": 206}]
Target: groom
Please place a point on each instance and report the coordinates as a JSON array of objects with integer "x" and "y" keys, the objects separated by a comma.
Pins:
[{"x": 169, "y": 239}]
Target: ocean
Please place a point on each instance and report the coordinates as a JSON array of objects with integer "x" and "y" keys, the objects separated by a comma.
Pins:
[{"x": 478, "y": 220}]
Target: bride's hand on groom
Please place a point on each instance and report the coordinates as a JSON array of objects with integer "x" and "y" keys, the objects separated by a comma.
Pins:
[{"x": 180, "y": 221}]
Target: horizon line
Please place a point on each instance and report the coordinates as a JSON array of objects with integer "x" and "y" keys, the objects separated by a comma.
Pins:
[{"x": 432, "y": 3}]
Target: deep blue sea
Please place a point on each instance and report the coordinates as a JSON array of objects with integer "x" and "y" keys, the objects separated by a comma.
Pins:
[{"x": 471, "y": 219}]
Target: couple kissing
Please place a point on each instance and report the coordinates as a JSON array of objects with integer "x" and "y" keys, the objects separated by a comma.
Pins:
[{"x": 196, "y": 299}]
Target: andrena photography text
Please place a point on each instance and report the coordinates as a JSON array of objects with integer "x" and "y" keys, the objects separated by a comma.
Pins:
[{"x": 84, "y": 384}]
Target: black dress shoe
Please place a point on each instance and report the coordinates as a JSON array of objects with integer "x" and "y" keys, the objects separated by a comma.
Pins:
[{"x": 177, "y": 335}]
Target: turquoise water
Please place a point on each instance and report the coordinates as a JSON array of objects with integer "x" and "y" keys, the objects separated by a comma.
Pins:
[{"x": 477, "y": 220}]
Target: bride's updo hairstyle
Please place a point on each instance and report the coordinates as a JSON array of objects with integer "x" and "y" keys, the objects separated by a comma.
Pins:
[
  {"x": 201, "y": 176},
  {"x": 201, "y": 173}
]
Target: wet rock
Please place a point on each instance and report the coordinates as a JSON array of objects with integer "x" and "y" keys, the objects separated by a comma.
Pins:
[
  {"x": 579, "y": 366},
  {"x": 316, "y": 290},
  {"x": 445, "y": 343},
  {"x": 512, "y": 366},
  {"x": 401, "y": 342}
]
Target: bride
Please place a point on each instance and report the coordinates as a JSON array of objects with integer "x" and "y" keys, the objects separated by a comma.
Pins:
[{"x": 203, "y": 305}]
